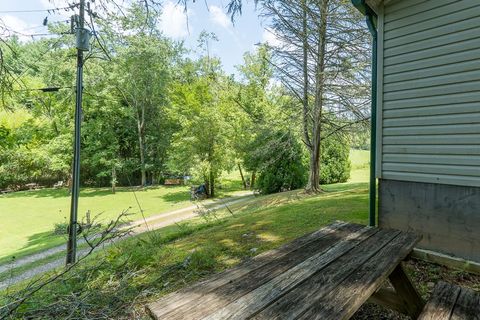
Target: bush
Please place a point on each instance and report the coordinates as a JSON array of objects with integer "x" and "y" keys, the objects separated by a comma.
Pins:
[
  {"x": 278, "y": 157},
  {"x": 334, "y": 162},
  {"x": 60, "y": 228}
]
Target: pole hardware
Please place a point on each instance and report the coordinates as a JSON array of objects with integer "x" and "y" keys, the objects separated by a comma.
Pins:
[{"x": 83, "y": 39}]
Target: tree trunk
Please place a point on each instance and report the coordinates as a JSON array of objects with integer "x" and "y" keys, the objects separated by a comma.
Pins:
[
  {"x": 252, "y": 181},
  {"x": 313, "y": 184},
  {"x": 306, "y": 85},
  {"x": 141, "y": 144},
  {"x": 212, "y": 184},
  {"x": 243, "y": 178},
  {"x": 114, "y": 179}
]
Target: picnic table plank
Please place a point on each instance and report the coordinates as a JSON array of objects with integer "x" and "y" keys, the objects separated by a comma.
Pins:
[
  {"x": 441, "y": 303},
  {"x": 467, "y": 306},
  {"x": 292, "y": 305},
  {"x": 188, "y": 295},
  {"x": 347, "y": 297},
  {"x": 327, "y": 274},
  {"x": 272, "y": 290},
  {"x": 235, "y": 289}
]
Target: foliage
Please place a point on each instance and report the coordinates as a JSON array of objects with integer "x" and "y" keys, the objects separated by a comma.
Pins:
[
  {"x": 153, "y": 110},
  {"x": 321, "y": 55},
  {"x": 335, "y": 161},
  {"x": 203, "y": 116},
  {"x": 280, "y": 161}
]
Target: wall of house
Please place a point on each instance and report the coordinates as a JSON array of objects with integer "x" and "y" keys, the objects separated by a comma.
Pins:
[
  {"x": 430, "y": 95},
  {"x": 447, "y": 216},
  {"x": 428, "y": 158}
]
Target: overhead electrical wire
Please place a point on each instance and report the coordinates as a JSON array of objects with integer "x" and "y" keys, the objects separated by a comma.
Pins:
[{"x": 40, "y": 10}]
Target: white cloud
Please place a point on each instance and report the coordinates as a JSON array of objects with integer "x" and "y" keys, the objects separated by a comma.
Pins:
[
  {"x": 9, "y": 24},
  {"x": 174, "y": 21},
  {"x": 271, "y": 38},
  {"x": 219, "y": 17}
]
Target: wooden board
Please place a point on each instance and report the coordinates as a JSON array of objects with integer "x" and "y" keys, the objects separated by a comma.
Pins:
[
  {"x": 255, "y": 296},
  {"x": 467, "y": 306},
  {"x": 293, "y": 304},
  {"x": 347, "y": 297},
  {"x": 186, "y": 296},
  {"x": 343, "y": 263},
  {"x": 441, "y": 303}
]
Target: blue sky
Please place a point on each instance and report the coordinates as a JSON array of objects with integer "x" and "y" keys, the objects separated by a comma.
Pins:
[{"x": 209, "y": 15}]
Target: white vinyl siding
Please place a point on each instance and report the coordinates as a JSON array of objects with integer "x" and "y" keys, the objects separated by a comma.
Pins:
[{"x": 430, "y": 86}]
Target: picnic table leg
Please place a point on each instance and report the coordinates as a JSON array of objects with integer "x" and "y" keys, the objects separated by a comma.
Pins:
[{"x": 405, "y": 290}]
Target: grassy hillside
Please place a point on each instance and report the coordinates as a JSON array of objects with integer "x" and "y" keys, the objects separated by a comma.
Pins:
[
  {"x": 152, "y": 264},
  {"x": 28, "y": 217}
]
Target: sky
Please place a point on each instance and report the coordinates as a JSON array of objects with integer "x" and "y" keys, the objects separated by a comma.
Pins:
[{"x": 208, "y": 15}]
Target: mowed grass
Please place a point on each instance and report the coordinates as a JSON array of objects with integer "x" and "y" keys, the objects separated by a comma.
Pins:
[
  {"x": 143, "y": 268},
  {"x": 360, "y": 160},
  {"x": 28, "y": 217}
]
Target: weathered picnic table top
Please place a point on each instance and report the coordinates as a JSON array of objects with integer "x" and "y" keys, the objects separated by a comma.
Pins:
[{"x": 327, "y": 274}]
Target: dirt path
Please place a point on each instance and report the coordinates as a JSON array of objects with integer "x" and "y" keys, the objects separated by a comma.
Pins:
[{"x": 140, "y": 226}]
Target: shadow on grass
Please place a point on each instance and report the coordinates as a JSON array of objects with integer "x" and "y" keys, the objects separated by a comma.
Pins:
[
  {"x": 84, "y": 192},
  {"x": 347, "y": 186},
  {"x": 176, "y": 196},
  {"x": 36, "y": 243}
]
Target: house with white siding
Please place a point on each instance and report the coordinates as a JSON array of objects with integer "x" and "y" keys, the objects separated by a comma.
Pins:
[{"x": 426, "y": 102}]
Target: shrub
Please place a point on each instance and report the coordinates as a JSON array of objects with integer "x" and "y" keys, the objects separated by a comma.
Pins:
[
  {"x": 334, "y": 162},
  {"x": 60, "y": 228},
  {"x": 278, "y": 157}
]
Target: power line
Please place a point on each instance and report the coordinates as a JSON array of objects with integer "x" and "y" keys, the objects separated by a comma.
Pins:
[
  {"x": 34, "y": 34},
  {"x": 44, "y": 25},
  {"x": 41, "y": 10}
]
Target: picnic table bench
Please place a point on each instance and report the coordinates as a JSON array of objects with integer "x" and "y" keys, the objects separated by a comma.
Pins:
[
  {"x": 327, "y": 274},
  {"x": 32, "y": 186},
  {"x": 451, "y": 302}
]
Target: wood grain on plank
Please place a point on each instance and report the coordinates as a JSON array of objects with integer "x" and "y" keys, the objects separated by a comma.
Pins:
[
  {"x": 347, "y": 297},
  {"x": 441, "y": 303},
  {"x": 236, "y": 288},
  {"x": 189, "y": 294},
  {"x": 298, "y": 300},
  {"x": 467, "y": 306},
  {"x": 274, "y": 289}
]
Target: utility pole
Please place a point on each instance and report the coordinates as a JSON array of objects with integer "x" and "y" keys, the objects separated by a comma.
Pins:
[{"x": 82, "y": 44}]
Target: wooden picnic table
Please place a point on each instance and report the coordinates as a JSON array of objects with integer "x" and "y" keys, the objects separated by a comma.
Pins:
[{"x": 327, "y": 274}]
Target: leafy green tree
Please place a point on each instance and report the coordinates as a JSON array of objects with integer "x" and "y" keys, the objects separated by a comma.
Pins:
[
  {"x": 200, "y": 109},
  {"x": 143, "y": 69}
]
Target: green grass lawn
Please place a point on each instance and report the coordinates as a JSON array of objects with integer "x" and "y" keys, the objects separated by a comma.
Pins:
[
  {"x": 360, "y": 160},
  {"x": 152, "y": 264},
  {"x": 28, "y": 217}
]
